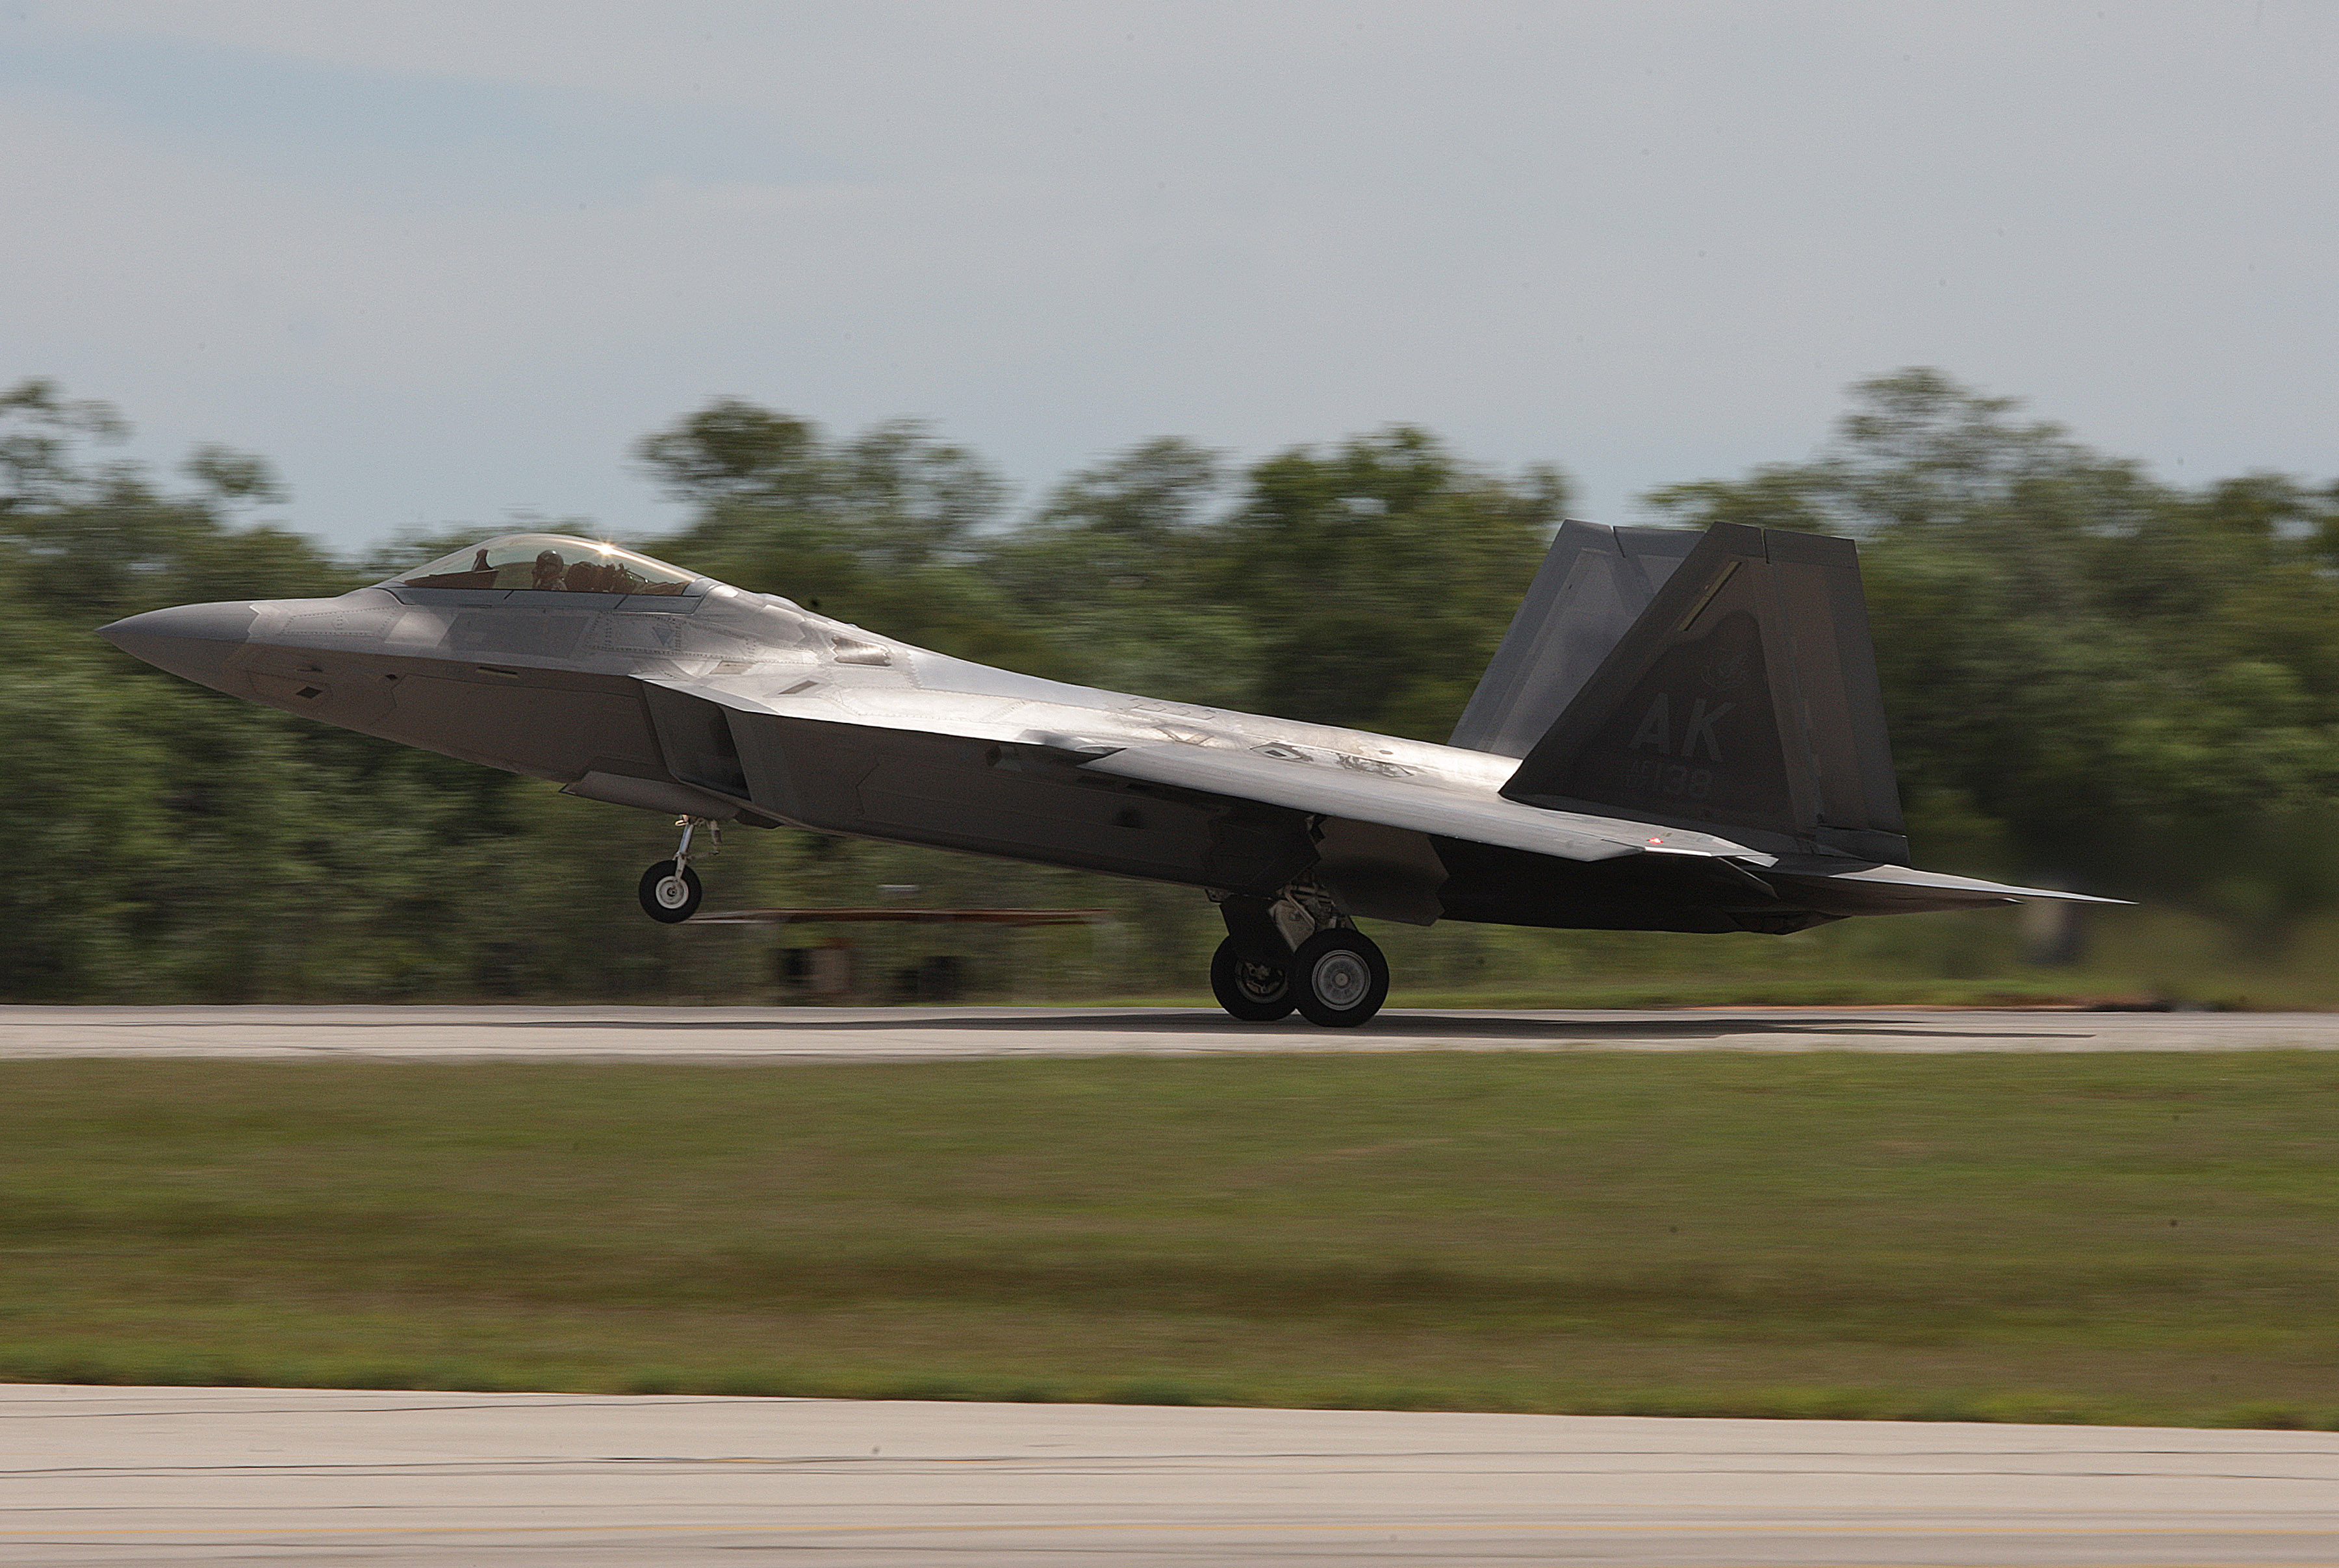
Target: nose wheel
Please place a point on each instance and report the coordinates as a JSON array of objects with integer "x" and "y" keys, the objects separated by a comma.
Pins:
[
  {"x": 670, "y": 893},
  {"x": 670, "y": 890}
]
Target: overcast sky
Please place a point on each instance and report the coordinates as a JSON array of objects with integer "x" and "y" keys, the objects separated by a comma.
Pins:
[{"x": 445, "y": 262}]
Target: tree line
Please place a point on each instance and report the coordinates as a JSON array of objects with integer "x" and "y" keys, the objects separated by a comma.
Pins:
[{"x": 2093, "y": 676}]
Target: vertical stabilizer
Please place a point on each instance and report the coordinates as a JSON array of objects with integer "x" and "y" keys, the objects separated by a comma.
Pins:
[
  {"x": 1592, "y": 586},
  {"x": 1742, "y": 700}
]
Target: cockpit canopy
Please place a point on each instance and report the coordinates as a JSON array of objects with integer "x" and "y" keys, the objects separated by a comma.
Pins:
[{"x": 548, "y": 563}]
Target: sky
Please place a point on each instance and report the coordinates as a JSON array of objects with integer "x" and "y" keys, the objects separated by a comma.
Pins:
[{"x": 443, "y": 264}]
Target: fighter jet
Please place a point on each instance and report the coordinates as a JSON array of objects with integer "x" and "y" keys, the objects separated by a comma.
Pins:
[{"x": 1678, "y": 731}]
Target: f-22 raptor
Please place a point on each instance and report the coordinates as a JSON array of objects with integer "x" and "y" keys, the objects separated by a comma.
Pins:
[{"x": 1678, "y": 731}]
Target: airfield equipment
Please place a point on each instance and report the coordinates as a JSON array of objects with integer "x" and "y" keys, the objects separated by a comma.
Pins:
[{"x": 1680, "y": 732}]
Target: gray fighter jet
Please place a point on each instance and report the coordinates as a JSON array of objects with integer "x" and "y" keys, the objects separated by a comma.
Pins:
[{"x": 1680, "y": 732}]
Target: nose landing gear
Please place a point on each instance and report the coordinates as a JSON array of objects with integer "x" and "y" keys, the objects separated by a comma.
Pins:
[{"x": 670, "y": 890}]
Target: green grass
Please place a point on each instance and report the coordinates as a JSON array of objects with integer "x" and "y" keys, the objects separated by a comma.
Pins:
[{"x": 2147, "y": 1237}]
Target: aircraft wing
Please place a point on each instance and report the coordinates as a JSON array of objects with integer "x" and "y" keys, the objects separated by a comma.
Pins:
[
  {"x": 1335, "y": 791},
  {"x": 1302, "y": 779},
  {"x": 1327, "y": 784},
  {"x": 1331, "y": 788}
]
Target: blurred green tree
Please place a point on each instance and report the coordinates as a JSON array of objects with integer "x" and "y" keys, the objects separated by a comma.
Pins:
[
  {"x": 2093, "y": 675},
  {"x": 2137, "y": 681},
  {"x": 879, "y": 531},
  {"x": 1123, "y": 566},
  {"x": 1379, "y": 577},
  {"x": 188, "y": 845}
]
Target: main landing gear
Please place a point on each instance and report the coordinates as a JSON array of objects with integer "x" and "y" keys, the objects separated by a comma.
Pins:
[
  {"x": 670, "y": 890},
  {"x": 1297, "y": 952}
]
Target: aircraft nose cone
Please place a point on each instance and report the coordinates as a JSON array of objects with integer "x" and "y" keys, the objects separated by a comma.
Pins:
[{"x": 190, "y": 640}]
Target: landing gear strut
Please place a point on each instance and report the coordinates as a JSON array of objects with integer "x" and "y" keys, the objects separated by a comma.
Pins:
[
  {"x": 670, "y": 890},
  {"x": 1297, "y": 950}
]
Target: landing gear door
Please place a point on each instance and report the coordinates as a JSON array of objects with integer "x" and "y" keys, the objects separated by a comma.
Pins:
[{"x": 695, "y": 735}]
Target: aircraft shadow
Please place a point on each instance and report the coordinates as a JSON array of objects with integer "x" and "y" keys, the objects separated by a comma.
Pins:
[{"x": 1410, "y": 1026}]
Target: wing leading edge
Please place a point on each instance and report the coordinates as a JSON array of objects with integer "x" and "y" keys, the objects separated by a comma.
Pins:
[{"x": 1327, "y": 789}]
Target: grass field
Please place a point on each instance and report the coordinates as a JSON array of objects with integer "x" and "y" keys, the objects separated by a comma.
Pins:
[{"x": 2147, "y": 1237}]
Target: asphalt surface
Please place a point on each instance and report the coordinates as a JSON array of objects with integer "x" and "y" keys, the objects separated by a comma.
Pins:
[
  {"x": 122, "y": 1476},
  {"x": 941, "y": 1033}
]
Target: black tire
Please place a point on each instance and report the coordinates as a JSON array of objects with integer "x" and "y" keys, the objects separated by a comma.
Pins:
[
  {"x": 1254, "y": 992},
  {"x": 1338, "y": 978},
  {"x": 668, "y": 898}
]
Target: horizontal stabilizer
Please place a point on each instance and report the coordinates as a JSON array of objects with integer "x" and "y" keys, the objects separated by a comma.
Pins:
[
  {"x": 1902, "y": 890},
  {"x": 1591, "y": 587}
]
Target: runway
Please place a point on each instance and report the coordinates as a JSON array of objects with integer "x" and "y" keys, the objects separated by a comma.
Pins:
[
  {"x": 124, "y": 1476},
  {"x": 955, "y": 1034}
]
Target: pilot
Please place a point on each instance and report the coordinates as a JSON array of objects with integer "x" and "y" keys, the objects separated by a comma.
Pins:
[
  {"x": 547, "y": 573},
  {"x": 479, "y": 560}
]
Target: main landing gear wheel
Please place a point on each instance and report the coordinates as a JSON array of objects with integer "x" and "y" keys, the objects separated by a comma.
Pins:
[
  {"x": 670, "y": 893},
  {"x": 1338, "y": 978},
  {"x": 1254, "y": 992}
]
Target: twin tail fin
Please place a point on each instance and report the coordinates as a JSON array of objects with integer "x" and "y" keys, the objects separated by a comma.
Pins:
[
  {"x": 1742, "y": 699},
  {"x": 1594, "y": 584}
]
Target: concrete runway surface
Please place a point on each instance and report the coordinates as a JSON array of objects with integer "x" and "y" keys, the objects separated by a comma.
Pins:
[
  {"x": 124, "y": 1476},
  {"x": 943, "y": 1034}
]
